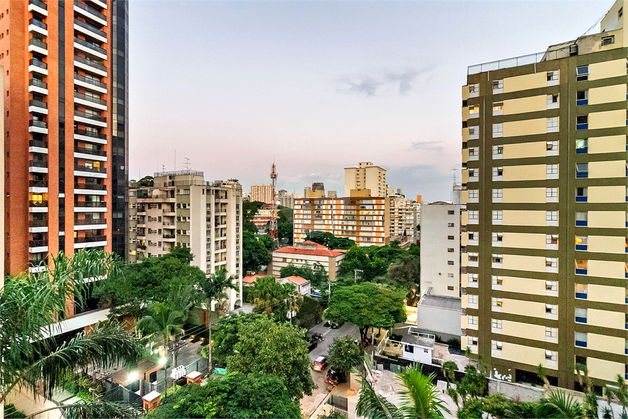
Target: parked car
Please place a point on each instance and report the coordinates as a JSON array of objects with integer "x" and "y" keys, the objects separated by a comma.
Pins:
[{"x": 320, "y": 363}]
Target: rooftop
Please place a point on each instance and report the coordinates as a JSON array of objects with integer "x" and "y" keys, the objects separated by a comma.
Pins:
[
  {"x": 410, "y": 335},
  {"x": 448, "y": 303},
  {"x": 299, "y": 249},
  {"x": 295, "y": 279}
]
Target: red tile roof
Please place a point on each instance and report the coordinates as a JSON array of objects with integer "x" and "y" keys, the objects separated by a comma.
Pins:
[
  {"x": 296, "y": 279},
  {"x": 252, "y": 278},
  {"x": 320, "y": 251}
]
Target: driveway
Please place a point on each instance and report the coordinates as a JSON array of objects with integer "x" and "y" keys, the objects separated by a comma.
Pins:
[{"x": 310, "y": 403}]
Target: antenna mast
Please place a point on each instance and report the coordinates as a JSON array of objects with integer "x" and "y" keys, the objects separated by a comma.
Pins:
[{"x": 273, "y": 209}]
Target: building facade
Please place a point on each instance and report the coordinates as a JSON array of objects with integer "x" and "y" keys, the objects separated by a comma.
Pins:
[
  {"x": 262, "y": 193},
  {"x": 440, "y": 249},
  {"x": 59, "y": 126},
  {"x": 544, "y": 166},
  {"x": 182, "y": 209},
  {"x": 365, "y": 176},
  {"x": 365, "y": 220},
  {"x": 404, "y": 218},
  {"x": 307, "y": 253}
]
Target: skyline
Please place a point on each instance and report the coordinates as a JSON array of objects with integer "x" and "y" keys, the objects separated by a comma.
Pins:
[{"x": 320, "y": 86}]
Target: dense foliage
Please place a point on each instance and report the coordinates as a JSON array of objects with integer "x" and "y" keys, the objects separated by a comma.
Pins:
[
  {"x": 314, "y": 273},
  {"x": 329, "y": 240},
  {"x": 256, "y": 251},
  {"x": 285, "y": 226},
  {"x": 344, "y": 354},
  {"x": 310, "y": 313}
]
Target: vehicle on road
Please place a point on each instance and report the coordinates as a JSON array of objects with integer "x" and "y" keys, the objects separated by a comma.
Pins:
[
  {"x": 334, "y": 377},
  {"x": 320, "y": 363}
]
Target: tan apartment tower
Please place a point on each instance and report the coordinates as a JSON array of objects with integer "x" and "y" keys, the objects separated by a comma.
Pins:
[
  {"x": 365, "y": 176},
  {"x": 545, "y": 259},
  {"x": 262, "y": 193},
  {"x": 60, "y": 125}
]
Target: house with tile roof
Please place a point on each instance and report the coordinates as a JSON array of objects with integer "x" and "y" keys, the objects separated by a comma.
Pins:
[{"x": 307, "y": 252}]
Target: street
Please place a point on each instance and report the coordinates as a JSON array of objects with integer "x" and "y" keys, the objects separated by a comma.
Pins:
[{"x": 310, "y": 403}]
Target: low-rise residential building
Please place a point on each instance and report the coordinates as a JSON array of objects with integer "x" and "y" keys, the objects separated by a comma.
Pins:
[
  {"x": 302, "y": 285},
  {"x": 408, "y": 343},
  {"x": 307, "y": 253},
  {"x": 182, "y": 209},
  {"x": 439, "y": 315}
]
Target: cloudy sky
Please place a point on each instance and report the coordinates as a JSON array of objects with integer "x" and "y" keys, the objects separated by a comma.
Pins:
[{"x": 321, "y": 85}]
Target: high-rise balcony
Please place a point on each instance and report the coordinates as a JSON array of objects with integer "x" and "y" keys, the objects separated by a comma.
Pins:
[
  {"x": 90, "y": 101},
  {"x": 94, "y": 172},
  {"x": 90, "y": 30},
  {"x": 90, "y": 12},
  {"x": 101, "y": 3},
  {"x": 90, "y": 136},
  {"x": 38, "y": 166},
  {"x": 35, "y": 125},
  {"x": 90, "y": 118},
  {"x": 90, "y": 83},
  {"x": 37, "y": 246},
  {"x": 37, "y": 204},
  {"x": 90, "y": 221},
  {"x": 38, "y": 6},
  {"x": 90, "y": 241},
  {"x": 90, "y": 48},
  {"x": 38, "y": 226},
  {"x": 37, "y": 86},
  {"x": 38, "y": 46},
  {"x": 90, "y": 65},
  {"x": 36, "y": 65},
  {"x": 36, "y": 25},
  {"x": 38, "y": 106},
  {"x": 89, "y": 188},
  {"x": 90, "y": 151},
  {"x": 90, "y": 204},
  {"x": 37, "y": 146},
  {"x": 90, "y": 169}
]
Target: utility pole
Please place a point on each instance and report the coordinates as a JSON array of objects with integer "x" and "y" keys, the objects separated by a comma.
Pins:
[{"x": 273, "y": 209}]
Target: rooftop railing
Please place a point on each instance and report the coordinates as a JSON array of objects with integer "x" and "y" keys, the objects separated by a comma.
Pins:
[{"x": 548, "y": 55}]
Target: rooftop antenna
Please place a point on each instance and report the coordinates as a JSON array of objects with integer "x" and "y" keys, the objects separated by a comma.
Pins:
[
  {"x": 175, "y": 159},
  {"x": 454, "y": 176},
  {"x": 187, "y": 163},
  {"x": 273, "y": 211}
]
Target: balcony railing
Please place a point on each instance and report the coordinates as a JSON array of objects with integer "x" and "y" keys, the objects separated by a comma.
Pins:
[
  {"x": 38, "y": 163},
  {"x": 38, "y": 103},
  {"x": 37, "y": 183},
  {"x": 100, "y": 101},
  {"x": 38, "y": 83},
  {"x": 39, "y": 4},
  {"x": 38, "y": 23},
  {"x": 38, "y": 63},
  {"x": 91, "y": 186},
  {"x": 37, "y": 123},
  {"x": 90, "y": 10},
  {"x": 90, "y": 133},
  {"x": 168, "y": 236},
  {"x": 90, "y": 45},
  {"x": 92, "y": 63},
  {"x": 37, "y": 243},
  {"x": 37, "y": 143},
  {"x": 90, "y": 204},
  {"x": 38, "y": 43},
  {"x": 90, "y": 116},
  {"x": 90, "y": 239},
  {"x": 90, "y": 80},
  {"x": 90, "y": 221},
  {"x": 38, "y": 223},
  {"x": 90, "y": 28},
  {"x": 38, "y": 204},
  {"x": 90, "y": 169},
  {"x": 90, "y": 151}
]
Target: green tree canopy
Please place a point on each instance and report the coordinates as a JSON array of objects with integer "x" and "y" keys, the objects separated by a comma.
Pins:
[
  {"x": 314, "y": 273},
  {"x": 329, "y": 240},
  {"x": 255, "y": 251},
  {"x": 249, "y": 209},
  {"x": 366, "y": 305},
  {"x": 344, "y": 354}
]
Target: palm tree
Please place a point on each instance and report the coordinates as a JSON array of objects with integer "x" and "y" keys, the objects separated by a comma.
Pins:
[
  {"x": 541, "y": 372},
  {"x": 213, "y": 289},
  {"x": 420, "y": 397},
  {"x": 267, "y": 294},
  {"x": 449, "y": 371},
  {"x": 32, "y": 304},
  {"x": 559, "y": 405}
]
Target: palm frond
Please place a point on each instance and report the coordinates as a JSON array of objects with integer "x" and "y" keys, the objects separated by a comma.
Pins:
[
  {"x": 421, "y": 399},
  {"x": 373, "y": 406},
  {"x": 99, "y": 409},
  {"x": 560, "y": 405}
]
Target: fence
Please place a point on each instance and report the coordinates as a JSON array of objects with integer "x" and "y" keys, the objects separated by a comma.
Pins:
[
  {"x": 164, "y": 382},
  {"x": 114, "y": 392},
  {"x": 339, "y": 403}
]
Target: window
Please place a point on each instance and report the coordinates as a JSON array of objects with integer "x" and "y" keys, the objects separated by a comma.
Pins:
[
  {"x": 474, "y": 258},
  {"x": 498, "y": 151},
  {"x": 496, "y": 346},
  {"x": 473, "y": 279},
  {"x": 497, "y": 303},
  {"x": 498, "y": 86},
  {"x": 581, "y": 266},
  {"x": 473, "y": 320},
  {"x": 552, "y": 124},
  {"x": 582, "y": 73},
  {"x": 551, "y": 241},
  {"x": 473, "y": 174},
  {"x": 498, "y": 195},
  {"x": 450, "y": 237},
  {"x": 582, "y": 291},
  {"x": 498, "y": 238},
  {"x": 450, "y": 275},
  {"x": 473, "y": 195},
  {"x": 552, "y": 77},
  {"x": 450, "y": 224},
  {"x": 498, "y": 281},
  {"x": 498, "y": 108},
  {"x": 473, "y": 216},
  {"x": 581, "y": 339},
  {"x": 551, "y": 356},
  {"x": 551, "y": 194},
  {"x": 474, "y": 111},
  {"x": 552, "y": 148},
  {"x": 582, "y": 97},
  {"x": 474, "y": 133},
  {"x": 450, "y": 262},
  {"x": 607, "y": 40},
  {"x": 582, "y": 170},
  {"x": 552, "y": 101},
  {"x": 582, "y": 122},
  {"x": 450, "y": 212},
  {"x": 551, "y": 171},
  {"x": 582, "y": 145},
  {"x": 474, "y": 90},
  {"x": 498, "y": 130},
  {"x": 581, "y": 242},
  {"x": 473, "y": 341},
  {"x": 551, "y": 264},
  {"x": 496, "y": 324},
  {"x": 551, "y": 309},
  {"x": 497, "y": 260},
  {"x": 551, "y": 218},
  {"x": 498, "y": 217},
  {"x": 551, "y": 332},
  {"x": 498, "y": 172},
  {"x": 450, "y": 249},
  {"x": 473, "y": 235},
  {"x": 581, "y": 194},
  {"x": 581, "y": 219}
]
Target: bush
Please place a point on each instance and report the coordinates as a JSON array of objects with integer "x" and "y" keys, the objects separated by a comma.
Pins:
[
  {"x": 454, "y": 343},
  {"x": 10, "y": 412},
  {"x": 396, "y": 337}
]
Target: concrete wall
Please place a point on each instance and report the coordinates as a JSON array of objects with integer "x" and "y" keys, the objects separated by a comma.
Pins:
[{"x": 440, "y": 321}]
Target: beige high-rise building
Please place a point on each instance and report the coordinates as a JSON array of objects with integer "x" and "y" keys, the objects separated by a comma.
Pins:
[
  {"x": 182, "y": 209},
  {"x": 544, "y": 168},
  {"x": 365, "y": 220},
  {"x": 404, "y": 218},
  {"x": 365, "y": 176},
  {"x": 262, "y": 193}
]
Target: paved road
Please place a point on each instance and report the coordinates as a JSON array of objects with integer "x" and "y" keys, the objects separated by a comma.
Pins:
[{"x": 310, "y": 403}]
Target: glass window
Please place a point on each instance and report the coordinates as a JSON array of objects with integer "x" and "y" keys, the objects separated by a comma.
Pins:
[{"x": 582, "y": 73}]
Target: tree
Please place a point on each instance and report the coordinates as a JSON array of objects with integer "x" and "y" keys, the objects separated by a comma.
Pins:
[
  {"x": 269, "y": 295},
  {"x": 315, "y": 274},
  {"x": 226, "y": 335},
  {"x": 285, "y": 225},
  {"x": 404, "y": 273},
  {"x": 472, "y": 386},
  {"x": 329, "y": 240},
  {"x": 234, "y": 396},
  {"x": 366, "y": 305},
  {"x": 420, "y": 397},
  {"x": 344, "y": 354},
  {"x": 265, "y": 346},
  {"x": 449, "y": 371},
  {"x": 560, "y": 405},
  {"x": 310, "y": 313},
  {"x": 249, "y": 209},
  {"x": 254, "y": 252},
  {"x": 31, "y": 304},
  {"x": 212, "y": 288},
  {"x": 146, "y": 181}
]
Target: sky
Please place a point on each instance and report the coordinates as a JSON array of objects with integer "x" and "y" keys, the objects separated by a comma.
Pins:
[{"x": 317, "y": 86}]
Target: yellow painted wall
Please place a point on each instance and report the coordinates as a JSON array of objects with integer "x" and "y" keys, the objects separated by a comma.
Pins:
[
  {"x": 607, "y": 94},
  {"x": 523, "y": 285},
  {"x": 524, "y": 218},
  {"x": 523, "y": 330},
  {"x": 607, "y": 244},
  {"x": 465, "y": 175},
  {"x": 523, "y": 354},
  {"x": 608, "y": 119},
  {"x": 607, "y": 294},
  {"x": 606, "y": 169},
  {"x": 607, "y": 69},
  {"x": 603, "y": 318},
  {"x": 606, "y": 269},
  {"x": 604, "y": 343},
  {"x": 465, "y": 135},
  {"x": 607, "y": 219},
  {"x": 465, "y": 155},
  {"x": 524, "y": 240},
  {"x": 603, "y": 369},
  {"x": 609, "y": 144},
  {"x": 526, "y": 127},
  {"x": 525, "y": 104},
  {"x": 527, "y": 195},
  {"x": 465, "y": 113},
  {"x": 517, "y": 151},
  {"x": 464, "y": 220},
  {"x": 607, "y": 194},
  {"x": 465, "y": 92},
  {"x": 528, "y": 172},
  {"x": 523, "y": 263},
  {"x": 524, "y": 308},
  {"x": 525, "y": 82}
]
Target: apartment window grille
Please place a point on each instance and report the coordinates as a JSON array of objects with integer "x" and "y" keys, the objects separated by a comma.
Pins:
[
  {"x": 552, "y": 148},
  {"x": 552, "y": 101},
  {"x": 552, "y": 124},
  {"x": 551, "y": 332},
  {"x": 551, "y": 239},
  {"x": 498, "y": 108},
  {"x": 498, "y": 172},
  {"x": 497, "y": 302},
  {"x": 551, "y": 309},
  {"x": 582, "y": 73},
  {"x": 498, "y": 195},
  {"x": 473, "y": 257},
  {"x": 474, "y": 111},
  {"x": 473, "y": 278},
  {"x": 551, "y": 356},
  {"x": 473, "y": 174},
  {"x": 474, "y": 90},
  {"x": 607, "y": 40},
  {"x": 473, "y": 133},
  {"x": 582, "y": 145},
  {"x": 498, "y": 86},
  {"x": 582, "y": 170},
  {"x": 498, "y": 130},
  {"x": 551, "y": 264},
  {"x": 496, "y": 324},
  {"x": 473, "y": 320},
  {"x": 551, "y": 218},
  {"x": 582, "y": 97},
  {"x": 497, "y": 346},
  {"x": 551, "y": 194},
  {"x": 498, "y": 281},
  {"x": 498, "y": 237},
  {"x": 473, "y": 299},
  {"x": 473, "y": 194},
  {"x": 473, "y": 235},
  {"x": 474, "y": 215},
  {"x": 473, "y": 340},
  {"x": 551, "y": 171},
  {"x": 498, "y": 217},
  {"x": 552, "y": 77}
]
